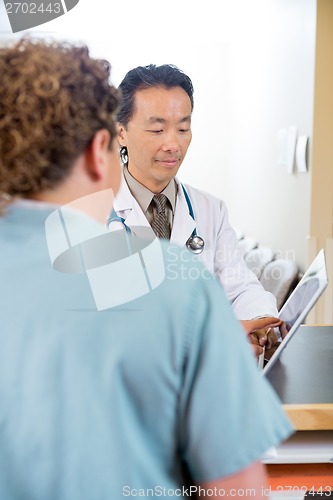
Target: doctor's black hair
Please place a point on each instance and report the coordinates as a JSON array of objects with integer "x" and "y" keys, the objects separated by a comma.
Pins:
[{"x": 166, "y": 76}]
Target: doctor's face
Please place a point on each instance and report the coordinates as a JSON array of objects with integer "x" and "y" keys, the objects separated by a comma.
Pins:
[{"x": 158, "y": 135}]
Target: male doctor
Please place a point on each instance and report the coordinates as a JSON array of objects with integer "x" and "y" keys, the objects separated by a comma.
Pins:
[{"x": 154, "y": 134}]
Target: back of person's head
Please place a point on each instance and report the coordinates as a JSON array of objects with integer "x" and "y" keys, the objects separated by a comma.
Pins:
[
  {"x": 53, "y": 99},
  {"x": 143, "y": 77}
]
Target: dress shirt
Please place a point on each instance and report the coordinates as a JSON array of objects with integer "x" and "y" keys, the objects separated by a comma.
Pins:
[{"x": 144, "y": 196}]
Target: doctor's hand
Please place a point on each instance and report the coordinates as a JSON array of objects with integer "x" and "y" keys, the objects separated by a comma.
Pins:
[{"x": 260, "y": 332}]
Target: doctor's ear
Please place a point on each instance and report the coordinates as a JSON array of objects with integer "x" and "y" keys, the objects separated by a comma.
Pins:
[{"x": 120, "y": 130}]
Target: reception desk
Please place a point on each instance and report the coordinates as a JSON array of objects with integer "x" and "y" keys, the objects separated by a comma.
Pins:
[{"x": 303, "y": 379}]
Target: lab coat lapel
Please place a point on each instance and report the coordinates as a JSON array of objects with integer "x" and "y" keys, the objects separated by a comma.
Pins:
[
  {"x": 183, "y": 224},
  {"x": 128, "y": 208}
]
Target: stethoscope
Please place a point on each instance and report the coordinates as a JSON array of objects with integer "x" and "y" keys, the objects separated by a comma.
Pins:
[{"x": 194, "y": 244}]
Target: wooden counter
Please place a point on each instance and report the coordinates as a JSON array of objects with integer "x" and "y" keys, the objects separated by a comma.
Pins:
[{"x": 303, "y": 380}]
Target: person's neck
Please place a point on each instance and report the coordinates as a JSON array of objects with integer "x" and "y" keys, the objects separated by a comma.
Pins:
[
  {"x": 75, "y": 186},
  {"x": 53, "y": 197}
]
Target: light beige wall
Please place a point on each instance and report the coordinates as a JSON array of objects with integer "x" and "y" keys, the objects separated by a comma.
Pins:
[
  {"x": 321, "y": 221},
  {"x": 269, "y": 64}
]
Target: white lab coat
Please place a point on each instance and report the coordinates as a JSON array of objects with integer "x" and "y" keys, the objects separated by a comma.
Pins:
[{"x": 220, "y": 255}]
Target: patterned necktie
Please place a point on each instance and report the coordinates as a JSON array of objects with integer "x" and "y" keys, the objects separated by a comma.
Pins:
[{"x": 160, "y": 223}]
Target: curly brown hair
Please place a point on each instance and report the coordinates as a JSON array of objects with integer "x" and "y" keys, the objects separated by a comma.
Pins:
[{"x": 53, "y": 99}]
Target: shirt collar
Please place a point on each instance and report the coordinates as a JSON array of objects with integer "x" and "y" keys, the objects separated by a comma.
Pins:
[{"x": 144, "y": 196}]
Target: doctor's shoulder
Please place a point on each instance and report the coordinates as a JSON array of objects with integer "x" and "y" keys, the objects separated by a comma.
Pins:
[
  {"x": 210, "y": 212},
  {"x": 205, "y": 202}
]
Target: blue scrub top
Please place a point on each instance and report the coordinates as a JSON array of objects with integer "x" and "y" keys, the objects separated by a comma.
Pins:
[{"x": 142, "y": 398}]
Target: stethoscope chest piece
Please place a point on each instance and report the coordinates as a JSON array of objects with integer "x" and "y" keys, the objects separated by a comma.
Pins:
[{"x": 195, "y": 244}]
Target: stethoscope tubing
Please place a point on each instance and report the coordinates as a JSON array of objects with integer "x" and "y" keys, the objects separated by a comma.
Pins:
[{"x": 195, "y": 243}]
